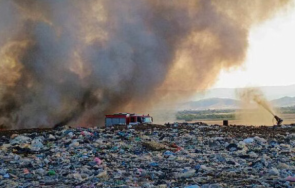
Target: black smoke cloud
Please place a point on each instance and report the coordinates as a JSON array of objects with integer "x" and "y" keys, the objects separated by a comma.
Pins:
[{"x": 73, "y": 61}]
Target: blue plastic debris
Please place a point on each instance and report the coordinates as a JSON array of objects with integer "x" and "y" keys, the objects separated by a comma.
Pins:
[
  {"x": 154, "y": 164},
  {"x": 6, "y": 176},
  {"x": 192, "y": 186}
]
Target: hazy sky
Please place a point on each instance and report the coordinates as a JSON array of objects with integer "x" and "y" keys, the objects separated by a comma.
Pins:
[{"x": 271, "y": 56}]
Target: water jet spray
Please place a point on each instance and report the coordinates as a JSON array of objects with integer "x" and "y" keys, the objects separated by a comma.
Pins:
[
  {"x": 254, "y": 94},
  {"x": 278, "y": 119}
]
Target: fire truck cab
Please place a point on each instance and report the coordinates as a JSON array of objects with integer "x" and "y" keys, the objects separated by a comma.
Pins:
[{"x": 127, "y": 119}]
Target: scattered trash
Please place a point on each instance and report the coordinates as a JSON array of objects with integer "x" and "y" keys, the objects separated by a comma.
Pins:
[
  {"x": 154, "y": 146},
  {"x": 232, "y": 147},
  {"x": 260, "y": 140},
  {"x": 154, "y": 164},
  {"x": 26, "y": 171},
  {"x": 20, "y": 140},
  {"x": 248, "y": 140},
  {"x": 168, "y": 153},
  {"x": 6, "y": 176},
  {"x": 190, "y": 156},
  {"x": 36, "y": 144},
  {"x": 192, "y": 186},
  {"x": 290, "y": 178},
  {"x": 186, "y": 174},
  {"x": 98, "y": 160},
  {"x": 51, "y": 173}
]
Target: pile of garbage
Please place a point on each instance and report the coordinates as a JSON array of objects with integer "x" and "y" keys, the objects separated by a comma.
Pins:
[{"x": 191, "y": 156}]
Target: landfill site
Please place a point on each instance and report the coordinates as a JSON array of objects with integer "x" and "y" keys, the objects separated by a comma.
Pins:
[
  {"x": 103, "y": 93},
  {"x": 177, "y": 155}
]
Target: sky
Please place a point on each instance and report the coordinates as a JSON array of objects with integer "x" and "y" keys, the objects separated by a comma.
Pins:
[{"x": 271, "y": 56}]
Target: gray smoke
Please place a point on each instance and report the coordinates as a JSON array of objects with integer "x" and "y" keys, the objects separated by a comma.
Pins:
[{"x": 73, "y": 61}]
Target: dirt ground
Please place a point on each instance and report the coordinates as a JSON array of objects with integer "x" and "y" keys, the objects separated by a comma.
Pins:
[{"x": 288, "y": 119}]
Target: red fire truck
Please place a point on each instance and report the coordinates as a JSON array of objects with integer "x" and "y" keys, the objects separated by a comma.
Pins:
[{"x": 127, "y": 119}]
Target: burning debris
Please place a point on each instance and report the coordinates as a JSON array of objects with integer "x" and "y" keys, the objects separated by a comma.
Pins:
[{"x": 71, "y": 61}]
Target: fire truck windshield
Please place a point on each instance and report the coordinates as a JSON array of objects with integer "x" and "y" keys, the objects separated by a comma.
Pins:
[{"x": 147, "y": 120}]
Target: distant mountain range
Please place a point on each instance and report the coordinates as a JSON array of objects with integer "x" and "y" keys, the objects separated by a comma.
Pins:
[
  {"x": 213, "y": 103},
  {"x": 271, "y": 92},
  {"x": 226, "y": 103},
  {"x": 284, "y": 102}
]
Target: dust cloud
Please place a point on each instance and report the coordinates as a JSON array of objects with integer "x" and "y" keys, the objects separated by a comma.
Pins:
[{"x": 254, "y": 108}]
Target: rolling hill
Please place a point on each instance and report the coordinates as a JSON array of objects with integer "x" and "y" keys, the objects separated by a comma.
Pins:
[
  {"x": 213, "y": 103},
  {"x": 271, "y": 92},
  {"x": 226, "y": 103},
  {"x": 284, "y": 102}
]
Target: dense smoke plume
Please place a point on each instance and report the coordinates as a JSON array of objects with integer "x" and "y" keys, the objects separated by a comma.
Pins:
[
  {"x": 255, "y": 108},
  {"x": 72, "y": 61}
]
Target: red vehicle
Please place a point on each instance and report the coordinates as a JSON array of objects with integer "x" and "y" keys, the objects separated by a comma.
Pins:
[{"x": 127, "y": 119}]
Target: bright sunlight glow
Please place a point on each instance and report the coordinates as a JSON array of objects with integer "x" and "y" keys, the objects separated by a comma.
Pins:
[{"x": 271, "y": 56}]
